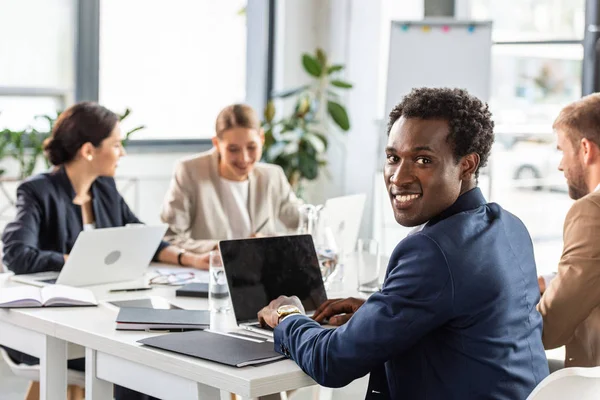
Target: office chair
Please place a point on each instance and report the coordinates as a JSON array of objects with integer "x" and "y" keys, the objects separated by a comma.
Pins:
[
  {"x": 75, "y": 379},
  {"x": 569, "y": 383}
]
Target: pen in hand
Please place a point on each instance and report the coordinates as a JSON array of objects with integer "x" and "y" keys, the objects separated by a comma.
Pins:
[{"x": 262, "y": 225}]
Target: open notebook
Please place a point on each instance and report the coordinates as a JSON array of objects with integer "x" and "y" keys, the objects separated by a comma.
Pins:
[{"x": 47, "y": 296}]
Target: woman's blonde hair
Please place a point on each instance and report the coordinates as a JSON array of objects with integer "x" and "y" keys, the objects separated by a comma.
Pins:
[{"x": 236, "y": 116}]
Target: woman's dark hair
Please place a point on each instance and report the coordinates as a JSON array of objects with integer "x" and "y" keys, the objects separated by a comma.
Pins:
[
  {"x": 79, "y": 124},
  {"x": 469, "y": 119},
  {"x": 236, "y": 116}
]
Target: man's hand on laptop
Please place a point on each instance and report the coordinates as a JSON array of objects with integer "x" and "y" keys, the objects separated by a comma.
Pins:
[
  {"x": 270, "y": 316},
  {"x": 338, "y": 311}
]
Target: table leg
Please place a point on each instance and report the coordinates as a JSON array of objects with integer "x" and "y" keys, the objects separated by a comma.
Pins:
[
  {"x": 53, "y": 369},
  {"x": 95, "y": 389}
]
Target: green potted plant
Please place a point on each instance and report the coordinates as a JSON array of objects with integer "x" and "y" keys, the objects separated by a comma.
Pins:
[{"x": 298, "y": 141}]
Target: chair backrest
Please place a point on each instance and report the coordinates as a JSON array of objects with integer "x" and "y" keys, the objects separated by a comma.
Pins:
[{"x": 569, "y": 383}]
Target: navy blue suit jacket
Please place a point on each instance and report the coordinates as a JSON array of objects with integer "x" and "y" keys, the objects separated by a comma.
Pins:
[
  {"x": 48, "y": 223},
  {"x": 456, "y": 317}
]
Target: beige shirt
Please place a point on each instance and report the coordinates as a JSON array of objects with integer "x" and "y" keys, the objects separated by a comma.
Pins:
[
  {"x": 570, "y": 305},
  {"x": 193, "y": 206}
]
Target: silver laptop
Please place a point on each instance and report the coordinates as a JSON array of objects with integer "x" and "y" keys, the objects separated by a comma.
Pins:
[
  {"x": 344, "y": 215},
  {"x": 260, "y": 270},
  {"x": 104, "y": 255}
]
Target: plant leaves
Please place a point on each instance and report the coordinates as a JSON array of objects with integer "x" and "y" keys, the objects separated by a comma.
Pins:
[
  {"x": 334, "y": 68},
  {"x": 321, "y": 57},
  {"x": 316, "y": 142},
  {"x": 341, "y": 84},
  {"x": 269, "y": 112},
  {"x": 275, "y": 151},
  {"x": 308, "y": 166},
  {"x": 290, "y": 148},
  {"x": 311, "y": 65},
  {"x": 125, "y": 114},
  {"x": 338, "y": 114},
  {"x": 289, "y": 92},
  {"x": 322, "y": 137},
  {"x": 303, "y": 106}
]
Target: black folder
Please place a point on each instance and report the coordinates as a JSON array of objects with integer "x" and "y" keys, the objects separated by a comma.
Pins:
[
  {"x": 216, "y": 347},
  {"x": 194, "y": 289},
  {"x": 135, "y": 319}
]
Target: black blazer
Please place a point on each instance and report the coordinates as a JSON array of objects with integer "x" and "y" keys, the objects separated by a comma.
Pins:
[{"x": 48, "y": 223}]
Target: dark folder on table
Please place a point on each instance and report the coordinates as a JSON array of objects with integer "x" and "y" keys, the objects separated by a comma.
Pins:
[
  {"x": 194, "y": 289},
  {"x": 216, "y": 347},
  {"x": 155, "y": 319}
]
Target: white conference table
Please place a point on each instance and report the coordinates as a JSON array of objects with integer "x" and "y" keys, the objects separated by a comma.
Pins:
[{"x": 114, "y": 357}]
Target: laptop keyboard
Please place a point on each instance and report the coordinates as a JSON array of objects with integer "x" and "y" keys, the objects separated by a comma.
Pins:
[{"x": 258, "y": 325}]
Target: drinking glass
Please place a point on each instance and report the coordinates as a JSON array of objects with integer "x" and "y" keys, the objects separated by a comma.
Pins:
[
  {"x": 218, "y": 291},
  {"x": 368, "y": 265}
]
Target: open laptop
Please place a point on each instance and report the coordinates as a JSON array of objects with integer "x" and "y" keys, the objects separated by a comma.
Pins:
[
  {"x": 344, "y": 215},
  {"x": 103, "y": 256},
  {"x": 260, "y": 270}
]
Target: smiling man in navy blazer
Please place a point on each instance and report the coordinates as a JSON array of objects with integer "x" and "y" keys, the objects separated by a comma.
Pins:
[{"x": 456, "y": 317}]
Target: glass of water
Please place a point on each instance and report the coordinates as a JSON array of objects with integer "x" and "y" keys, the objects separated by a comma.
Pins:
[
  {"x": 368, "y": 264},
  {"x": 218, "y": 291}
]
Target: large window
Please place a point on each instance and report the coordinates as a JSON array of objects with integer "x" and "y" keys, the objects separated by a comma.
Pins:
[
  {"x": 37, "y": 59},
  {"x": 174, "y": 64},
  {"x": 536, "y": 71}
]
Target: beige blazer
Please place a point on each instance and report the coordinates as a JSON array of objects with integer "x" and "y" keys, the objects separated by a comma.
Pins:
[
  {"x": 194, "y": 211},
  {"x": 571, "y": 304}
]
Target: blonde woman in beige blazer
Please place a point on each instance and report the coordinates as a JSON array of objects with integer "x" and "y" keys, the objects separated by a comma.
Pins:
[
  {"x": 570, "y": 305},
  {"x": 225, "y": 193}
]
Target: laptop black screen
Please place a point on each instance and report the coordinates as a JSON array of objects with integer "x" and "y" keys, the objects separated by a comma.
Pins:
[{"x": 260, "y": 270}]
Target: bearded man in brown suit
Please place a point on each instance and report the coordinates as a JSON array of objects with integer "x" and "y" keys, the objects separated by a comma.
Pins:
[{"x": 570, "y": 304}]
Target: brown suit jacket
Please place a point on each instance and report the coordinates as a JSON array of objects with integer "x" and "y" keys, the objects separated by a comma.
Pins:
[
  {"x": 571, "y": 304},
  {"x": 194, "y": 211}
]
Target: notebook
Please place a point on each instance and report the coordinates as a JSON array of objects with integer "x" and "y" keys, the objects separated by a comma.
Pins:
[
  {"x": 228, "y": 350},
  {"x": 149, "y": 302},
  {"x": 140, "y": 319},
  {"x": 194, "y": 289},
  {"x": 48, "y": 296}
]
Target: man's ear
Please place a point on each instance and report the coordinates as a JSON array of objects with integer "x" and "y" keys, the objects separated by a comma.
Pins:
[
  {"x": 590, "y": 151},
  {"x": 261, "y": 133},
  {"x": 469, "y": 165}
]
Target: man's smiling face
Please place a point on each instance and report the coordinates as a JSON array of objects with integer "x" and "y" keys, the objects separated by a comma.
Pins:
[{"x": 421, "y": 173}]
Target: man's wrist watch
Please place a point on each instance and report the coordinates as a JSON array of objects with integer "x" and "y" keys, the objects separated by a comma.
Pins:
[
  {"x": 180, "y": 256},
  {"x": 285, "y": 310}
]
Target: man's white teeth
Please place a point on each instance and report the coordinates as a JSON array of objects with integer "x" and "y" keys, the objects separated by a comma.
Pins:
[{"x": 408, "y": 197}]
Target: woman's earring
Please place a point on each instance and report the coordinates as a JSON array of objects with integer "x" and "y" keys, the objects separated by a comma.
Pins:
[{"x": 89, "y": 157}]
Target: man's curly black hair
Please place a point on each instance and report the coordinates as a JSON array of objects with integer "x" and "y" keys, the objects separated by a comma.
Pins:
[{"x": 469, "y": 119}]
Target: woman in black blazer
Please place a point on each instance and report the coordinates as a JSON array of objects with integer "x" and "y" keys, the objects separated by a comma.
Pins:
[
  {"x": 52, "y": 208},
  {"x": 80, "y": 193}
]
